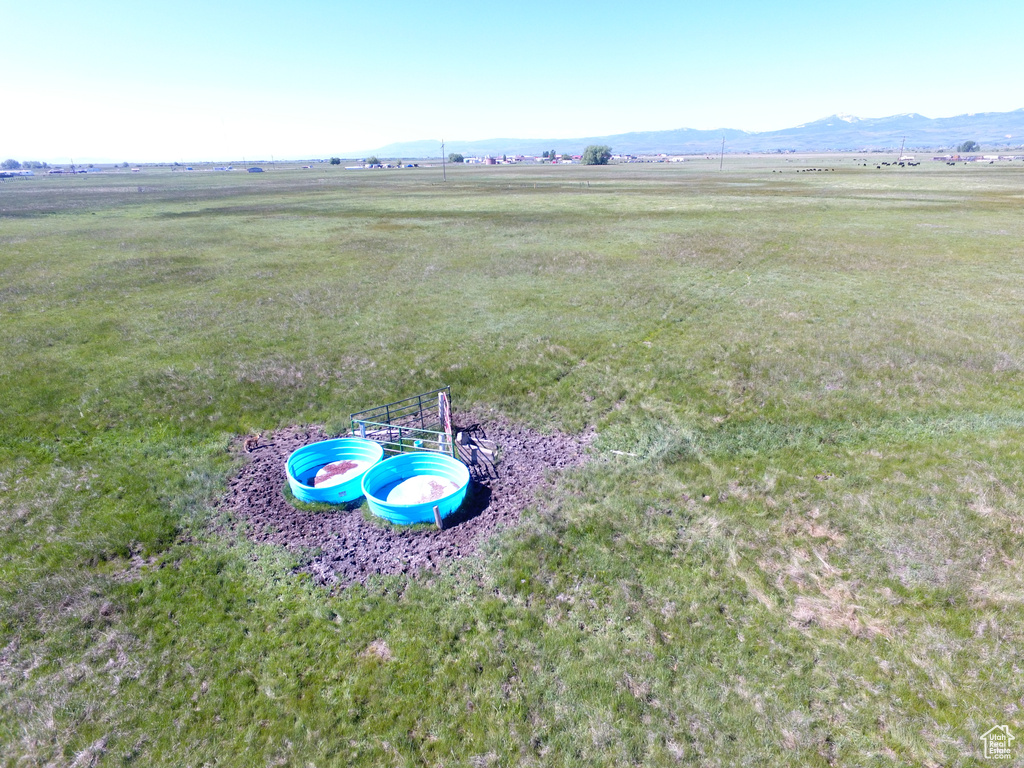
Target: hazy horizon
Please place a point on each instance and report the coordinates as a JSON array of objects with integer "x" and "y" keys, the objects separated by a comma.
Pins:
[
  {"x": 452, "y": 144},
  {"x": 115, "y": 81}
]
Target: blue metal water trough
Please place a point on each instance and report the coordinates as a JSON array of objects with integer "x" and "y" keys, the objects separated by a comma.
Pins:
[
  {"x": 332, "y": 471},
  {"x": 405, "y": 488}
]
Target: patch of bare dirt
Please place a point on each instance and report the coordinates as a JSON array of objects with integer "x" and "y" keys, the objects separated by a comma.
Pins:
[
  {"x": 352, "y": 549},
  {"x": 134, "y": 568}
]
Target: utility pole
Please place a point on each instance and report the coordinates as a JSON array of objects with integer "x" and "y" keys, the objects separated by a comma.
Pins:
[
  {"x": 901, "y": 149},
  {"x": 721, "y": 160},
  {"x": 444, "y": 171}
]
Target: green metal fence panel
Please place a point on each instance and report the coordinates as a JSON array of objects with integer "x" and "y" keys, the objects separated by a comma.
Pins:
[{"x": 413, "y": 424}]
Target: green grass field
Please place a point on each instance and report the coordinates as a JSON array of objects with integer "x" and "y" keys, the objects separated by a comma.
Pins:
[{"x": 814, "y": 558}]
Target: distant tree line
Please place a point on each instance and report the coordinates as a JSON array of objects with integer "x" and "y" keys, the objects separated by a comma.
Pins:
[
  {"x": 595, "y": 154},
  {"x": 10, "y": 164}
]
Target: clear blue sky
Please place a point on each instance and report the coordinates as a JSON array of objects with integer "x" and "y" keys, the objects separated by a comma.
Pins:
[{"x": 187, "y": 80}]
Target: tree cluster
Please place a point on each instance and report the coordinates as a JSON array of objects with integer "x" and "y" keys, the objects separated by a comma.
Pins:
[
  {"x": 455, "y": 157},
  {"x": 335, "y": 161},
  {"x": 969, "y": 146},
  {"x": 597, "y": 154},
  {"x": 10, "y": 164}
]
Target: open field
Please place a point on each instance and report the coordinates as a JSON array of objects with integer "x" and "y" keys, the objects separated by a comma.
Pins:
[{"x": 814, "y": 556}]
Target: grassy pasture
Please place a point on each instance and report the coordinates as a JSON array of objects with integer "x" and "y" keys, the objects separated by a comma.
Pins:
[{"x": 814, "y": 557}]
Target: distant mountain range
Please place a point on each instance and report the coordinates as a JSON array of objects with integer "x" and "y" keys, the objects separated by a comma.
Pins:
[{"x": 838, "y": 132}]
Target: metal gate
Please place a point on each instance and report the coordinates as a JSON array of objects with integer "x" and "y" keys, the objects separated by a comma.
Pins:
[{"x": 418, "y": 423}]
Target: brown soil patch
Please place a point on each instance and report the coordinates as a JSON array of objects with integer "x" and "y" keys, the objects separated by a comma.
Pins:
[{"x": 348, "y": 548}]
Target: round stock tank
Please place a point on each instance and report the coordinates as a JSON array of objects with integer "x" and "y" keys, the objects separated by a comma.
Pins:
[
  {"x": 331, "y": 471},
  {"x": 405, "y": 488}
]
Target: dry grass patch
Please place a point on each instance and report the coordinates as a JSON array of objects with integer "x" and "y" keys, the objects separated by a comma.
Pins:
[
  {"x": 836, "y": 609},
  {"x": 378, "y": 649}
]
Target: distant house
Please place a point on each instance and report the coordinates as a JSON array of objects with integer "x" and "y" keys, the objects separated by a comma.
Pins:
[{"x": 255, "y": 170}]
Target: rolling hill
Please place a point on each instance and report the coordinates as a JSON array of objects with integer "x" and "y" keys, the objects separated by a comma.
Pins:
[{"x": 836, "y": 132}]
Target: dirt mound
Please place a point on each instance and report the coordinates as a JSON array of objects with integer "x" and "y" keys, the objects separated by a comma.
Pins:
[{"x": 350, "y": 548}]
